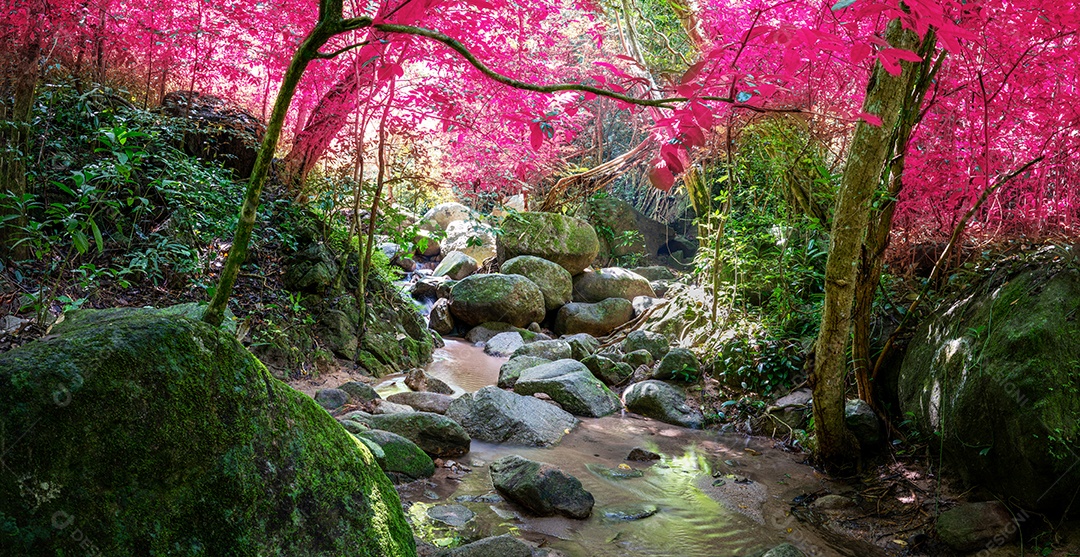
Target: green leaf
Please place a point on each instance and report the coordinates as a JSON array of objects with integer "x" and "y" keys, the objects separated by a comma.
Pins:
[
  {"x": 82, "y": 243},
  {"x": 98, "y": 240},
  {"x": 842, "y": 4}
]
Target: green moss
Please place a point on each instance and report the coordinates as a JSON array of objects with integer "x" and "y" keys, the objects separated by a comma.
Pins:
[{"x": 160, "y": 435}]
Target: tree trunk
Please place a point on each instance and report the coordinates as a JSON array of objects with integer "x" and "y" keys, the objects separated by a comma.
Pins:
[
  {"x": 838, "y": 450},
  {"x": 16, "y": 104}
]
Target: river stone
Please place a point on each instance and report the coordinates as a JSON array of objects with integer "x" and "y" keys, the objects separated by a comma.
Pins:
[
  {"x": 504, "y": 344},
  {"x": 572, "y": 385},
  {"x": 473, "y": 238},
  {"x": 541, "y": 488},
  {"x": 404, "y": 461},
  {"x": 660, "y": 401},
  {"x": 406, "y": 264},
  {"x": 554, "y": 281},
  {"x": 607, "y": 370},
  {"x": 439, "y": 319},
  {"x": 581, "y": 345},
  {"x": 455, "y": 516},
  {"x": 498, "y": 546},
  {"x": 446, "y": 213},
  {"x": 497, "y": 416},
  {"x": 437, "y": 435},
  {"x": 456, "y": 265},
  {"x": 511, "y": 370},
  {"x": 655, "y": 343},
  {"x": 680, "y": 364},
  {"x": 383, "y": 406},
  {"x": 655, "y": 272},
  {"x": 426, "y": 288},
  {"x": 639, "y": 454},
  {"x": 863, "y": 422},
  {"x": 638, "y": 358},
  {"x": 982, "y": 369},
  {"x": 784, "y": 550},
  {"x": 598, "y": 319},
  {"x": 973, "y": 526},
  {"x": 561, "y": 239},
  {"x": 435, "y": 403},
  {"x": 426, "y": 244},
  {"x": 547, "y": 349},
  {"x": 331, "y": 399},
  {"x": 153, "y": 432},
  {"x": 612, "y": 282},
  {"x": 631, "y": 512},
  {"x": 359, "y": 391},
  {"x": 419, "y": 380},
  {"x": 512, "y": 299}
]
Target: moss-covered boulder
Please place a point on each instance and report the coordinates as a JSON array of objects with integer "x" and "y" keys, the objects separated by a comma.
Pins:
[
  {"x": 997, "y": 374},
  {"x": 616, "y": 225},
  {"x": 140, "y": 433},
  {"x": 610, "y": 282},
  {"x": 598, "y": 319},
  {"x": 402, "y": 460},
  {"x": 511, "y": 299},
  {"x": 554, "y": 281},
  {"x": 568, "y": 241}
]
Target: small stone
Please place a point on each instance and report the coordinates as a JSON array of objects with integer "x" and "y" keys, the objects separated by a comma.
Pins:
[
  {"x": 331, "y": 399},
  {"x": 419, "y": 380},
  {"x": 456, "y": 516},
  {"x": 359, "y": 391},
  {"x": 639, "y": 454}
]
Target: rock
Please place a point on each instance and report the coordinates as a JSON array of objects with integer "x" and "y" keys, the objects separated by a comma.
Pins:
[
  {"x": 435, "y": 403},
  {"x": 404, "y": 461},
  {"x": 546, "y": 349},
  {"x": 427, "y": 245},
  {"x": 442, "y": 291},
  {"x": 656, "y": 344},
  {"x": 784, "y": 550},
  {"x": 638, "y": 358},
  {"x": 419, "y": 380},
  {"x": 641, "y": 304},
  {"x": 555, "y": 282},
  {"x": 612, "y": 282},
  {"x": 447, "y": 213},
  {"x": 616, "y": 218},
  {"x": 456, "y": 266},
  {"x": 437, "y": 435},
  {"x": 331, "y": 399},
  {"x": 541, "y": 488},
  {"x": 661, "y": 288},
  {"x": 561, "y": 239},
  {"x": 473, "y": 238},
  {"x": 383, "y": 407},
  {"x": 406, "y": 264},
  {"x": 511, "y": 370},
  {"x": 512, "y": 299},
  {"x": 638, "y": 511},
  {"x": 607, "y": 370},
  {"x": 973, "y": 526},
  {"x": 654, "y": 272},
  {"x": 486, "y": 331},
  {"x": 504, "y": 344},
  {"x": 219, "y": 130},
  {"x": 359, "y": 391},
  {"x": 598, "y": 319},
  {"x": 680, "y": 364},
  {"x": 791, "y": 410},
  {"x": 832, "y": 502},
  {"x": 642, "y": 455},
  {"x": 153, "y": 432},
  {"x": 980, "y": 370},
  {"x": 455, "y": 516},
  {"x": 10, "y": 323},
  {"x": 581, "y": 345},
  {"x": 426, "y": 288},
  {"x": 569, "y": 383},
  {"x": 312, "y": 270},
  {"x": 863, "y": 422},
  {"x": 498, "y": 546},
  {"x": 660, "y": 401},
  {"x": 439, "y": 319},
  {"x": 191, "y": 310},
  {"x": 801, "y": 397},
  {"x": 497, "y": 416}
]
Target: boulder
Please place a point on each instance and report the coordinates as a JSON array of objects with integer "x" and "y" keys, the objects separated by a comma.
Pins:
[
  {"x": 611, "y": 282},
  {"x": 426, "y": 244},
  {"x": 497, "y": 416},
  {"x": 541, "y": 488},
  {"x": 439, "y": 318},
  {"x": 497, "y": 546},
  {"x": 656, "y": 344},
  {"x": 511, "y": 370},
  {"x": 437, "y": 435},
  {"x": 639, "y": 454},
  {"x": 473, "y": 238},
  {"x": 435, "y": 403},
  {"x": 426, "y": 288},
  {"x": 680, "y": 364},
  {"x": 546, "y": 349},
  {"x": 572, "y": 385},
  {"x": 219, "y": 130},
  {"x": 607, "y": 370},
  {"x": 660, "y": 401},
  {"x": 383, "y": 406},
  {"x": 456, "y": 265},
  {"x": 512, "y": 299},
  {"x": 863, "y": 422},
  {"x": 598, "y": 319},
  {"x": 403, "y": 461},
  {"x": 655, "y": 272},
  {"x": 784, "y": 550},
  {"x": 617, "y": 219},
  {"x": 639, "y": 358},
  {"x": 312, "y": 270},
  {"x": 505, "y": 344},
  {"x": 446, "y": 213},
  {"x": 995, "y": 373},
  {"x": 974, "y": 526},
  {"x": 359, "y": 391},
  {"x": 561, "y": 239},
  {"x": 331, "y": 399},
  {"x": 554, "y": 281},
  {"x": 152, "y": 433},
  {"x": 581, "y": 345},
  {"x": 419, "y": 380}
]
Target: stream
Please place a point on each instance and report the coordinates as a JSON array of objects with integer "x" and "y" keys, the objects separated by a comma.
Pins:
[{"x": 710, "y": 494}]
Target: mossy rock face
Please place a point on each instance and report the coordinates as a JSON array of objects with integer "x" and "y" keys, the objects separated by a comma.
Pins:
[
  {"x": 150, "y": 434},
  {"x": 568, "y": 241},
  {"x": 616, "y": 226},
  {"x": 998, "y": 374},
  {"x": 554, "y": 281},
  {"x": 511, "y": 299}
]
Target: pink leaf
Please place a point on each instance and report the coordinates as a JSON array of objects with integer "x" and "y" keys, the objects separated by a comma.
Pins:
[
  {"x": 871, "y": 119},
  {"x": 660, "y": 177},
  {"x": 536, "y": 136},
  {"x": 670, "y": 154}
]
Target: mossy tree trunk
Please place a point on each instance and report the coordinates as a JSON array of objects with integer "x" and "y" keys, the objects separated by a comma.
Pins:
[
  {"x": 16, "y": 104},
  {"x": 838, "y": 449}
]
